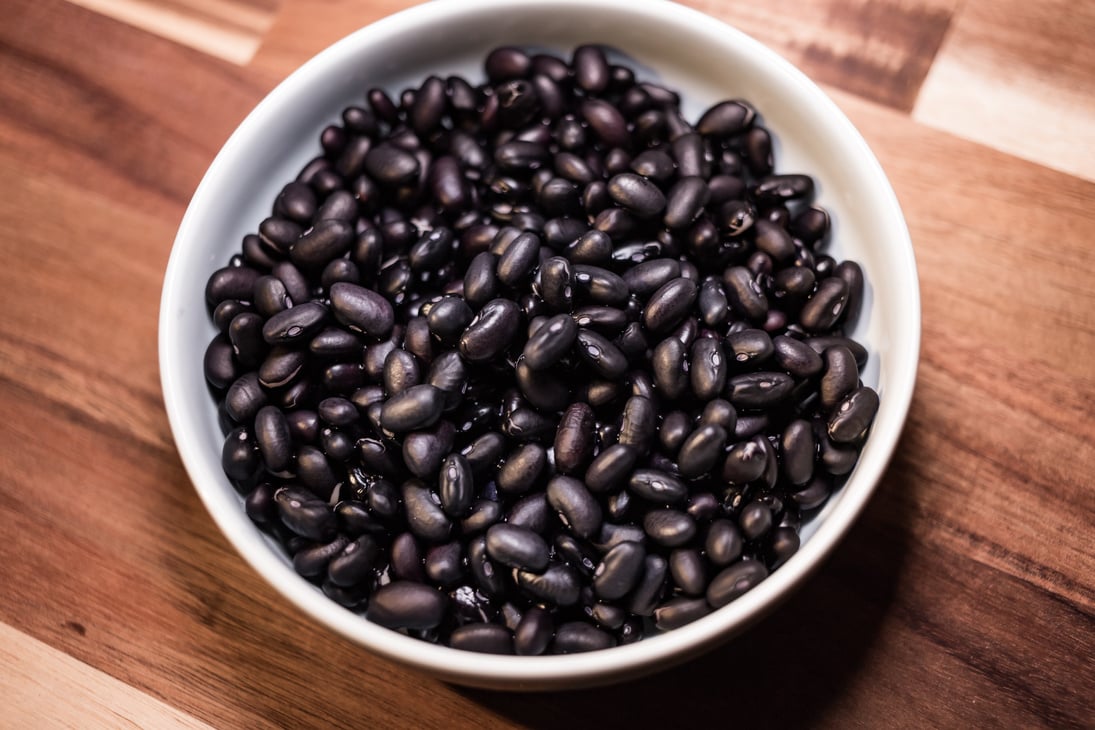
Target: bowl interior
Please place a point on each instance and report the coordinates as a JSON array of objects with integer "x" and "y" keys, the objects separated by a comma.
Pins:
[{"x": 706, "y": 61}]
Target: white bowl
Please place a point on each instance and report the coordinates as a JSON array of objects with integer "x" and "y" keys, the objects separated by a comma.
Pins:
[{"x": 707, "y": 61}]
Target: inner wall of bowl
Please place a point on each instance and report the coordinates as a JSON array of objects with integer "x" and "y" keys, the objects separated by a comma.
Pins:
[{"x": 282, "y": 135}]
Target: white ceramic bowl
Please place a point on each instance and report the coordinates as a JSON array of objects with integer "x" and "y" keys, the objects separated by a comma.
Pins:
[{"x": 706, "y": 60}]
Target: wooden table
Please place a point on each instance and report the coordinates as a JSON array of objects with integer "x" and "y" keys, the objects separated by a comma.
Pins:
[{"x": 965, "y": 596}]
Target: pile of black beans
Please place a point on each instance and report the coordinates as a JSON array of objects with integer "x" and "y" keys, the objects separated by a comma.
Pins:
[{"x": 537, "y": 365}]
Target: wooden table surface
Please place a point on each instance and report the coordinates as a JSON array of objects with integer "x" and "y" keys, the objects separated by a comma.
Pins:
[{"x": 965, "y": 596}]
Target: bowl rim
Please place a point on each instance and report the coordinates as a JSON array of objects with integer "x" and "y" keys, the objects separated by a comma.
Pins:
[{"x": 546, "y": 671}]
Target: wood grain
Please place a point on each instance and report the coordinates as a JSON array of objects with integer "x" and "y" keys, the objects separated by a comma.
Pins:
[
  {"x": 964, "y": 597},
  {"x": 227, "y": 29},
  {"x": 1019, "y": 77},
  {"x": 37, "y": 676}
]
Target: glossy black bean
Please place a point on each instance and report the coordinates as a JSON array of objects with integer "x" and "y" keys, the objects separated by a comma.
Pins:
[
  {"x": 574, "y": 637},
  {"x": 559, "y": 585},
  {"x": 670, "y": 367},
  {"x": 726, "y": 119},
  {"x": 647, "y": 594},
  {"x": 531, "y": 512},
  {"x": 657, "y": 486},
  {"x": 719, "y": 412},
  {"x": 491, "y": 332},
  {"x": 361, "y": 309},
  {"x": 401, "y": 371},
  {"x": 415, "y": 408},
  {"x": 834, "y": 459},
  {"x": 273, "y": 438},
  {"x": 822, "y": 343},
  {"x": 600, "y": 354},
  {"x": 669, "y": 527},
  {"x": 306, "y": 515},
  {"x": 555, "y": 283},
  {"x": 607, "y": 123},
  {"x": 840, "y": 377},
  {"x": 811, "y": 225},
  {"x": 240, "y": 456},
  {"x": 744, "y": 294},
  {"x": 619, "y": 570},
  {"x": 701, "y": 450},
  {"x": 678, "y": 612},
  {"x": 608, "y": 320},
  {"x": 551, "y": 342},
  {"x": 638, "y": 424},
  {"x": 745, "y": 461},
  {"x": 610, "y": 468},
  {"x": 425, "y": 518},
  {"x": 218, "y": 363},
  {"x": 244, "y": 398},
  {"x": 391, "y": 165},
  {"x": 245, "y": 332},
  {"x": 533, "y": 634},
  {"x": 407, "y": 605},
  {"x": 444, "y": 564},
  {"x": 485, "y": 638},
  {"x": 749, "y": 347},
  {"x": 669, "y": 305},
  {"x": 796, "y": 357},
  {"x": 758, "y": 390},
  {"x": 688, "y": 151},
  {"x": 647, "y": 277},
  {"x": 853, "y": 416},
  {"x": 708, "y": 368},
  {"x": 735, "y": 581},
  {"x": 424, "y": 450},
  {"x": 723, "y": 543},
  {"x": 574, "y": 440},
  {"x": 852, "y": 274},
  {"x": 712, "y": 303},
  {"x": 519, "y": 156},
  {"x": 313, "y": 561},
  {"x": 314, "y": 471},
  {"x": 637, "y": 194},
  {"x": 598, "y": 285},
  {"x": 480, "y": 283},
  {"x": 576, "y": 507},
  {"x": 798, "y": 450},
  {"x": 591, "y": 70},
  {"x": 687, "y": 569},
  {"x": 779, "y": 188},
  {"x": 522, "y": 469},
  {"x": 485, "y": 452},
  {"x": 483, "y": 514},
  {"x": 354, "y": 563},
  {"x": 823, "y": 310},
  {"x": 755, "y": 520},
  {"x": 519, "y": 259},
  {"x": 278, "y": 234},
  {"x": 260, "y": 505}
]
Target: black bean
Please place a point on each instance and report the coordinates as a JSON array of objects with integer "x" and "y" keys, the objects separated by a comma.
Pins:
[
  {"x": 558, "y": 585},
  {"x": 519, "y": 259},
  {"x": 822, "y": 343},
  {"x": 840, "y": 378},
  {"x": 687, "y": 570},
  {"x": 852, "y": 274},
  {"x": 678, "y": 612},
  {"x": 407, "y": 605},
  {"x": 610, "y": 468},
  {"x": 745, "y": 462},
  {"x": 240, "y": 458},
  {"x": 701, "y": 450},
  {"x": 648, "y": 277},
  {"x": 708, "y": 368},
  {"x": 355, "y": 563},
  {"x": 602, "y": 356},
  {"x": 755, "y": 520},
  {"x": 485, "y": 638},
  {"x": 390, "y": 165},
  {"x": 776, "y": 188},
  {"x": 424, "y": 450},
  {"x": 796, "y": 357},
  {"x": 749, "y": 347},
  {"x": 735, "y": 581},
  {"x": 604, "y": 319},
  {"x": 637, "y": 194},
  {"x": 669, "y": 305},
  {"x": 491, "y": 331},
  {"x": 726, "y": 119},
  {"x": 415, "y": 408},
  {"x": 853, "y": 416},
  {"x": 531, "y": 512},
  {"x": 518, "y": 547},
  {"x": 606, "y": 122},
  {"x": 758, "y": 390},
  {"x": 669, "y": 527},
  {"x": 638, "y": 424},
  {"x": 647, "y": 593},
  {"x": 824, "y": 309},
  {"x": 484, "y": 513},
  {"x": 671, "y": 370},
  {"x": 811, "y": 225},
  {"x": 360, "y": 309},
  {"x": 798, "y": 448},
  {"x": 599, "y": 285},
  {"x": 835, "y": 459},
  {"x": 425, "y": 518},
  {"x": 744, "y": 294},
  {"x": 723, "y": 544},
  {"x": 551, "y": 342},
  {"x": 573, "y": 637},
  {"x": 274, "y": 440},
  {"x": 785, "y": 543},
  {"x": 444, "y": 564},
  {"x": 313, "y": 561},
  {"x": 306, "y": 515},
  {"x": 534, "y": 632},
  {"x": 591, "y": 71},
  {"x": 574, "y": 440},
  {"x": 401, "y": 371},
  {"x": 218, "y": 364},
  {"x": 244, "y": 398},
  {"x": 576, "y": 507},
  {"x": 522, "y": 469},
  {"x": 657, "y": 486}
]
